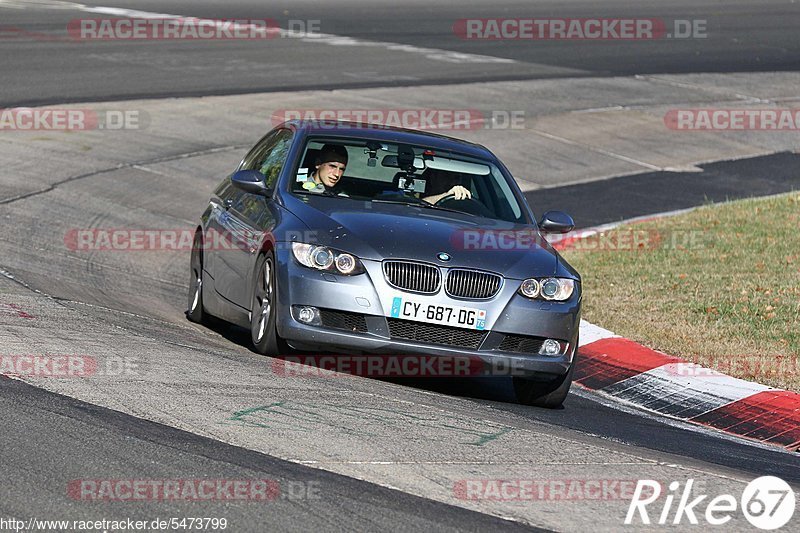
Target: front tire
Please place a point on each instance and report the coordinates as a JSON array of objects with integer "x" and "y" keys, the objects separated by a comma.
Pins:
[
  {"x": 194, "y": 310},
  {"x": 263, "y": 331}
]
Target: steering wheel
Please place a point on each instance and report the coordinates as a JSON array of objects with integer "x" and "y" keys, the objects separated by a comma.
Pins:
[
  {"x": 443, "y": 199},
  {"x": 473, "y": 206}
]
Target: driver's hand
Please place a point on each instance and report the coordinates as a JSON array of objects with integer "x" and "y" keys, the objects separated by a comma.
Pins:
[{"x": 461, "y": 193}]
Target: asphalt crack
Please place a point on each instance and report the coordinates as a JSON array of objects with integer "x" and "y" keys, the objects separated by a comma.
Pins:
[{"x": 120, "y": 166}]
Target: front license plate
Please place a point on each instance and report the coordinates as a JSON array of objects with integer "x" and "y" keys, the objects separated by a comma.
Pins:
[{"x": 460, "y": 317}]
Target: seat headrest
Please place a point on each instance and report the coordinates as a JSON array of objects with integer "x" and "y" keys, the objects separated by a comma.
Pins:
[{"x": 312, "y": 154}]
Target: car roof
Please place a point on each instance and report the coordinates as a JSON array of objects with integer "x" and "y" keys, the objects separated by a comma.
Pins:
[{"x": 334, "y": 128}]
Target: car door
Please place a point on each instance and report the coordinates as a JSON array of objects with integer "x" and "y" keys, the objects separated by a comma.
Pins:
[
  {"x": 225, "y": 195},
  {"x": 248, "y": 216}
]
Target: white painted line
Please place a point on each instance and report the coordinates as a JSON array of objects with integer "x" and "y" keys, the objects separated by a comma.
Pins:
[
  {"x": 691, "y": 377},
  {"x": 683, "y": 390},
  {"x": 434, "y": 54},
  {"x": 697, "y": 86},
  {"x": 611, "y": 402},
  {"x": 36, "y": 4},
  {"x": 130, "y": 13},
  {"x": 708, "y": 381},
  {"x": 596, "y": 150}
]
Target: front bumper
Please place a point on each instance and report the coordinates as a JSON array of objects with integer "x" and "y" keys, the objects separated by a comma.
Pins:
[{"x": 368, "y": 295}]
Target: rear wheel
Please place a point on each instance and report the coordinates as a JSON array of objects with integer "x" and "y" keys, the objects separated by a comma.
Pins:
[
  {"x": 550, "y": 394},
  {"x": 263, "y": 331},
  {"x": 194, "y": 311}
]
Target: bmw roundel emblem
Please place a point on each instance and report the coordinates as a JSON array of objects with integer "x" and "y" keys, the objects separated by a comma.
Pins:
[{"x": 443, "y": 256}]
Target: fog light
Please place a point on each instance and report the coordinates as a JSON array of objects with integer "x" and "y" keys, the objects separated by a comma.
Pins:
[
  {"x": 309, "y": 315},
  {"x": 550, "y": 347}
]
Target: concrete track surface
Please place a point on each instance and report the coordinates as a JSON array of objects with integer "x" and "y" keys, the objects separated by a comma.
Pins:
[{"x": 173, "y": 400}]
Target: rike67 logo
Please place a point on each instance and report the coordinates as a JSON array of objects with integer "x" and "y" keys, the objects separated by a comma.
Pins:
[{"x": 767, "y": 503}]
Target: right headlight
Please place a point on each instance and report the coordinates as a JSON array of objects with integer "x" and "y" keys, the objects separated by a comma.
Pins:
[
  {"x": 553, "y": 289},
  {"x": 328, "y": 259}
]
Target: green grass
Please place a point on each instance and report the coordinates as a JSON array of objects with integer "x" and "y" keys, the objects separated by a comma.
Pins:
[{"x": 719, "y": 286}]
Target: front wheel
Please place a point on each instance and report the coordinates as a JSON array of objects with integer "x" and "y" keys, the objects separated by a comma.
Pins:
[
  {"x": 194, "y": 310},
  {"x": 263, "y": 331},
  {"x": 549, "y": 394}
]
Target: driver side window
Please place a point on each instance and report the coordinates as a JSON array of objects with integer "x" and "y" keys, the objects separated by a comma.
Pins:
[{"x": 269, "y": 156}]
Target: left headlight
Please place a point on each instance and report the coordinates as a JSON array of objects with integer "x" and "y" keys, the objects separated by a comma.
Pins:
[
  {"x": 553, "y": 289},
  {"x": 328, "y": 259}
]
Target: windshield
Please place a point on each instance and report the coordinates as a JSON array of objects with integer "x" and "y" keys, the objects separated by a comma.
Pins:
[{"x": 381, "y": 172}]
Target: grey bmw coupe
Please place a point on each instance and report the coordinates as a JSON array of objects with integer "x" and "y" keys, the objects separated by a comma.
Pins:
[{"x": 360, "y": 239}]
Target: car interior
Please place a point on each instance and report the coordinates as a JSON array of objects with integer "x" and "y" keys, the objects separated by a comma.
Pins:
[{"x": 405, "y": 175}]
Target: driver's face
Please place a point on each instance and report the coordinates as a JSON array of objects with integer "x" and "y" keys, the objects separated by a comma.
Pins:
[{"x": 330, "y": 173}]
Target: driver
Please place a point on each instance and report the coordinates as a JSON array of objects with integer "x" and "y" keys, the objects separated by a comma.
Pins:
[
  {"x": 441, "y": 184},
  {"x": 329, "y": 169}
]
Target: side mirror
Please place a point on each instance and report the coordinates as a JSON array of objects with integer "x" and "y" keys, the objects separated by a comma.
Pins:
[
  {"x": 556, "y": 222},
  {"x": 251, "y": 181}
]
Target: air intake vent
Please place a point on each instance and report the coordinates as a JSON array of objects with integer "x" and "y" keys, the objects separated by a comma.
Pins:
[
  {"x": 435, "y": 334},
  {"x": 521, "y": 344},
  {"x": 473, "y": 284},
  {"x": 343, "y": 320},
  {"x": 415, "y": 277}
]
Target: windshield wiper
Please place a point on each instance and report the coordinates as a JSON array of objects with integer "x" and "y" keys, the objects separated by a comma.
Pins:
[
  {"x": 422, "y": 203},
  {"x": 407, "y": 201}
]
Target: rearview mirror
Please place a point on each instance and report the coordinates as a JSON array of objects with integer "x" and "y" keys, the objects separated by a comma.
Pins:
[
  {"x": 556, "y": 222},
  {"x": 251, "y": 181},
  {"x": 391, "y": 161}
]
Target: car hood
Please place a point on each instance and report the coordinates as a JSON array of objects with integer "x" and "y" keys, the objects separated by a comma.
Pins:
[{"x": 382, "y": 231}]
